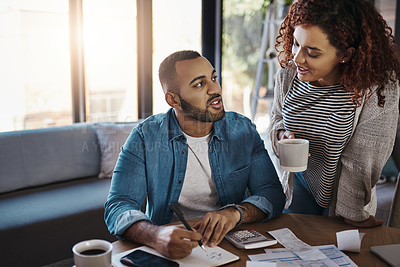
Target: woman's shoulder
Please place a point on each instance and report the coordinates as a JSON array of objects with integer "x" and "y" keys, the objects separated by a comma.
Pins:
[
  {"x": 284, "y": 78},
  {"x": 391, "y": 92},
  {"x": 286, "y": 73}
]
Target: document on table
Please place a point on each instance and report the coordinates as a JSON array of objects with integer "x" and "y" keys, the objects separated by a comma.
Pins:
[
  {"x": 287, "y": 239},
  {"x": 285, "y": 257},
  {"x": 298, "y": 253},
  {"x": 215, "y": 256}
]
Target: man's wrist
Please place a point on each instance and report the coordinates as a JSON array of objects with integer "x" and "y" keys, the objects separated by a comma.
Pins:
[
  {"x": 142, "y": 232},
  {"x": 239, "y": 208}
]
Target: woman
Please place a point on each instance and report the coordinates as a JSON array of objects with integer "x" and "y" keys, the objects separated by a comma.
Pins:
[{"x": 338, "y": 88}]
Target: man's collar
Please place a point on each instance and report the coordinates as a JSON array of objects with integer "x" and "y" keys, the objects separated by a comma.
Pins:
[
  {"x": 176, "y": 132},
  {"x": 217, "y": 129},
  {"x": 174, "y": 129}
]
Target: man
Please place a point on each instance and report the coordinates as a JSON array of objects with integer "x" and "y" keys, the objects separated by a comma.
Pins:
[{"x": 196, "y": 156}]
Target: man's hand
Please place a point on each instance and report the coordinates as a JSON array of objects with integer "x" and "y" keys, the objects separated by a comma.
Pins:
[
  {"x": 174, "y": 242},
  {"x": 215, "y": 225},
  {"x": 370, "y": 222}
]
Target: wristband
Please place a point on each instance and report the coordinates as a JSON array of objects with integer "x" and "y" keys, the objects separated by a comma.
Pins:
[{"x": 237, "y": 207}]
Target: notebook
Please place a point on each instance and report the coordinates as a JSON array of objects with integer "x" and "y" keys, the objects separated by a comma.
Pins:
[
  {"x": 389, "y": 253},
  {"x": 215, "y": 256}
]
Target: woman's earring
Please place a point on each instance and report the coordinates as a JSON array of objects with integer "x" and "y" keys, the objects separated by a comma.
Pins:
[{"x": 343, "y": 61}]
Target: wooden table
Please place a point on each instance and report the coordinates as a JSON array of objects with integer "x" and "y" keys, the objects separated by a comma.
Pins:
[{"x": 314, "y": 230}]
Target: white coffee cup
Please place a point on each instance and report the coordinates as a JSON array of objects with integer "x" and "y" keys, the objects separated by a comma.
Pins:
[
  {"x": 92, "y": 253},
  {"x": 293, "y": 154}
]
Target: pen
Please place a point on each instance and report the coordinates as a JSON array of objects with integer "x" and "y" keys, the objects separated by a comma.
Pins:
[{"x": 179, "y": 213}]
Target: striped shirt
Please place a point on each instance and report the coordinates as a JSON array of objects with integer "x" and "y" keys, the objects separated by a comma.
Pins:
[{"x": 324, "y": 116}]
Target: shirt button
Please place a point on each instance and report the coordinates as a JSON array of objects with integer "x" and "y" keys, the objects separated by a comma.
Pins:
[
  {"x": 184, "y": 152},
  {"x": 180, "y": 181}
]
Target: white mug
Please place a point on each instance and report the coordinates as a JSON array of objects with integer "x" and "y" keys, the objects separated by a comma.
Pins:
[
  {"x": 293, "y": 154},
  {"x": 92, "y": 253}
]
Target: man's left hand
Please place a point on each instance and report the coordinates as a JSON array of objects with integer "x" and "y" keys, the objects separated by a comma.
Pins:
[{"x": 215, "y": 225}]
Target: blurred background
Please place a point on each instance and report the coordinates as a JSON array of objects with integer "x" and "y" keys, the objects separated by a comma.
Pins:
[{"x": 97, "y": 60}]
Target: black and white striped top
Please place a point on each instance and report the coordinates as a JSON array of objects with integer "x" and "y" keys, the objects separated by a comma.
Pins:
[{"x": 324, "y": 116}]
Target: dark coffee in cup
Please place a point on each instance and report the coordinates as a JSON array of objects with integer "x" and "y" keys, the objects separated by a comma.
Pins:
[{"x": 93, "y": 252}]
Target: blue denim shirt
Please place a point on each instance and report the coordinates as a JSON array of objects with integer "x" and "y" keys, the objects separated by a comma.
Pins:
[{"x": 152, "y": 164}]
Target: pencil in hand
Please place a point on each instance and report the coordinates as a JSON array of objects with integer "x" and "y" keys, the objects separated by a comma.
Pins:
[{"x": 179, "y": 213}]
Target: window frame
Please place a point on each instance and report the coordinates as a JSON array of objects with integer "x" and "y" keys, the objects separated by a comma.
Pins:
[{"x": 211, "y": 49}]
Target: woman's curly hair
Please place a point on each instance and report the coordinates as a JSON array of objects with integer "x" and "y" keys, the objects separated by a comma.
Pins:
[{"x": 347, "y": 23}]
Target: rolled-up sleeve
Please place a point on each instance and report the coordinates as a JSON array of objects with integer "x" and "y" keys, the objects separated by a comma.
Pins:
[{"x": 128, "y": 187}]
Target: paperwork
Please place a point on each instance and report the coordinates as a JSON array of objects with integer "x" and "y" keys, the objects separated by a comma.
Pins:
[
  {"x": 287, "y": 239},
  {"x": 215, "y": 256},
  {"x": 285, "y": 257},
  {"x": 298, "y": 253}
]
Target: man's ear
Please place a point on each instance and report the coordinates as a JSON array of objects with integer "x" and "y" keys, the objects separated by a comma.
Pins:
[
  {"x": 347, "y": 54},
  {"x": 172, "y": 99}
]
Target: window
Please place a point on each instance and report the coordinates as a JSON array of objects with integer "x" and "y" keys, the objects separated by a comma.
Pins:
[
  {"x": 241, "y": 40},
  {"x": 35, "y": 76},
  {"x": 35, "y": 64},
  {"x": 177, "y": 29},
  {"x": 109, "y": 36}
]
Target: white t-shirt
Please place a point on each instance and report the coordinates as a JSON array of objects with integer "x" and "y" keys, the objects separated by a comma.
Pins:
[{"x": 198, "y": 195}]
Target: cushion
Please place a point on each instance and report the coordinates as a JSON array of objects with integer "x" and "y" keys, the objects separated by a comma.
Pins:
[
  {"x": 111, "y": 137},
  {"x": 43, "y": 156}
]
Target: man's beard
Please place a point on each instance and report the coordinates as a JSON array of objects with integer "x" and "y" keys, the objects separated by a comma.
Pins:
[{"x": 203, "y": 115}]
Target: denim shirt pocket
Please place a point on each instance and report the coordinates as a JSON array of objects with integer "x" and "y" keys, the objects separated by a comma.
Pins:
[{"x": 237, "y": 181}]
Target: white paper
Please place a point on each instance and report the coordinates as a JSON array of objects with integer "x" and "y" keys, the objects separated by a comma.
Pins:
[
  {"x": 334, "y": 257},
  {"x": 198, "y": 258},
  {"x": 349, "y": 240},
  {"x": 267, "y": 264},
  {"x": 287, "y": 239}
]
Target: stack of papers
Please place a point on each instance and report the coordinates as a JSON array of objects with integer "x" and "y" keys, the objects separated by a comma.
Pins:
[
  {"x": 298, "y": 253},
  {"x": 285, "y": 257}
]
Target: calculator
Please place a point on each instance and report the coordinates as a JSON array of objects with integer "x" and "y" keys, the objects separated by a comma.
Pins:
[{"x": 249, "y": 239}]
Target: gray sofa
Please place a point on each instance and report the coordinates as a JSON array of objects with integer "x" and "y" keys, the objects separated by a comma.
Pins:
[{"x": 53, "y": 186}]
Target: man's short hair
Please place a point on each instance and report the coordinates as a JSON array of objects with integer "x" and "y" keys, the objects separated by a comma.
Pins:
[{"x": 167, "y": 71}]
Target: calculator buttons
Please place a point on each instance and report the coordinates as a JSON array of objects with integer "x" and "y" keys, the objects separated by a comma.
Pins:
[{"x": 249, "y": 239}]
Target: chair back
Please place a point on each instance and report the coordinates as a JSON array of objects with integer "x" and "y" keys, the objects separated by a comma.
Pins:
[{"x": 394, "y": 215}]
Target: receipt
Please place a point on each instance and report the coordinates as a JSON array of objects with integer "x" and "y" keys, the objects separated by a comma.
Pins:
[
  {"x": 349, "y": 240},
  {"x": 287, "y": 239}
]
